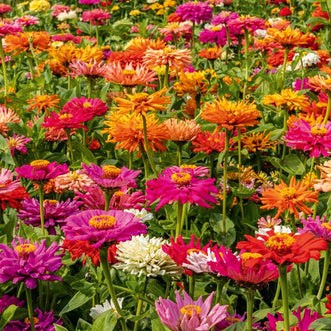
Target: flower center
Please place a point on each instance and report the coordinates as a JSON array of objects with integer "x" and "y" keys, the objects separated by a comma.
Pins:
[
  {"x": 216, "y": 28},
  {"x": 288, "y": 192},
  {"x": 129, "y": 72},
  {"x": 50, "y": 202},
  {"x": 326, "y": 226},
  {"x": 102, "y": 222},
  {"x": 232, "y": 319},
  {"x": 318, "y": 131},
  {"x": 246, "y": 256},
  {"x": 25, "y": 249},
  {"x": 195, "y": 250},
  {"x": 66, "y": 117},
  {"x": 190, "y": 310},
  {"x": 35, "y": 320},
  {"x": 110, "y": 171},
  {"x": 188, "y": 166},
  {"x": 118, "y": 193},
  {"x": 181, "y": 178},
  {"x": 280, "y": 243},
  {"x": 139, "y": 97},
  {"x": 39, "y": 164},
  {"x": 87, "y": 104}
]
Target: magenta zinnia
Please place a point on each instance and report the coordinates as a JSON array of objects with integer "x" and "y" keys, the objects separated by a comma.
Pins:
[
  {"x": 27, "y": 262},
  {"x": 197, "y": 12},
  {"x": 99, "y": 226},
  {"x": 320, "y": 227},
  {"x": 187, "y": 314},
  {"x": 183, "y": 186}
]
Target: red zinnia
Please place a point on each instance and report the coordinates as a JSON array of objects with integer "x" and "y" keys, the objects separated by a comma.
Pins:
[{"x": 285, "y": 12}]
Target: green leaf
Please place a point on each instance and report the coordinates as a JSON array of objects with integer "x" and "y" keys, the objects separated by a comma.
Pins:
[
  {"x": 240, "y": 326},
  {"x": 243, "y": 192},
  {"x": 317, "y": 20},
  {"x": 292, "y": 164},
  {"x": 83, "y": 325},
  {"x": 60, "y": 328},
  {"x": 321, "y": 324},
  {"x": 7, "y": 315},
  {"x": 158, "y": 326},
  {"x": 76, "y": 301},
  {"x": 87, "y": 156},
  {"x": 105, "y": 322}
]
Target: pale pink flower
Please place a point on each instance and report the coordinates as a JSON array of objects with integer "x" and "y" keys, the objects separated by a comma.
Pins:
[
  {"x": 91, "y": 69},
  {"x": 7, "y": 116},
  {"x": 7, "y": 182},
  {"x": 72, "y": 181}
]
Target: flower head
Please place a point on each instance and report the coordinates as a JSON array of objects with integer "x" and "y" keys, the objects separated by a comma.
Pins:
[
  {"x": 179, "y": 130},
  {"x": 320, "y": 227},
  {"x": 91, "y": 69},
  {"x": 42, "y": 103},
  {"x": 319, "y": 83},
  {"x": 7, "y": 116},
  {"x": 288, "y": 37},
  {"x": 9, "y": 27},
  {"x": 97, "y": 310},
  {"x": 197, "y": 12},
  {"x": 17, "y": 143},
  {"x": 96, "y": 16},
  {"x": 72, "y": 181},
  {"x": 6, "y": 301}
]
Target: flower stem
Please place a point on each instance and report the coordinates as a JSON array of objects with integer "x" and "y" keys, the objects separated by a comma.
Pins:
[
  {"x": 166, "y": 76},
  {"x": 299, "y": 281},
  {"x": 179, "y": 218},
  {"x": 69, "y": 144},
  {"x": 246, "y": 61},
  {"x": 30, "y": 308},
  {"x": 4, "y": 69},
  {"x": 274, "y": 302},
  {"x": 284, "y": 68},
  {"x": 225, "y": 168},
  {"x": 41, "y": 208},
  {"x": 148, "y": 151},
  {"x": 250, "y": 294},
  {"x": 179, "y": 153},
  {"x": 107, "y": 200},
  {"x": 191, "y": 285},
  {"x": 283, "y": 286},
  {"x": 140, "y": 305},
  {"x": 325, "y": 273},
  {"x": 327, "y": 113},
  {"x": 311, "y": 168},
  {"x": 239, "y": 148},
  {"x": 219, "y": 287}
]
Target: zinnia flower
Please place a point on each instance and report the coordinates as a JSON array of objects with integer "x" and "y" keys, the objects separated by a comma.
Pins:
[
  {"x": 97, "y": 310},
  {"x": 96, "y": 16},
  {"x": 13, "y": 198},
  {"x": 197, "y": 12},
  {"x": 320, "y": 227},
  {"x": 210, "y": 142},
  {"x": 9, "y": 27},
  {"x": 182, "y": 186},
  {"x": 288, "y": 37},
  {"x": 29, "y": 262},
  {"x": 182, "y": 131},
  {"x": 6, "y": 301},
  {"x": 7, "y": 181},
  {"x": 187, "y": 314},
  {"x": 73, "y": 181},
  {"x": 92, "y": 69},
  {"x": 42, "y": 103},
  {"x": 324, "y": 184},
  {"x": 291, "y": 197},
  {"x": 17, "y": 143},
  {"x": 7, "y": 116},
  {"x": 144, "y": 255},
  {"x": 319, "y": 83},
  {"x": 257, "y": 141},
  {"x": 285, "y": 248},
  {"x": 100, "y": 227}
]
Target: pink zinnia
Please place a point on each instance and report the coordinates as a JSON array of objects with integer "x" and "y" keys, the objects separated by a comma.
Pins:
[
  {"x": 17, "y": 143},
  {"x": 314, "y": 138},
  {"x": 99, "y": 226},
  {"x": 320, "y": 227},
  {"x": 96, "y": 16},
  {"x": 41, "y": 170},
  {"x": 29, "y": 262},
  {"x": 91, "y": 69},
  {"x": 58, "y": 9},
  {"x": 183, "y": 186},
  {"x": 7, "y": 116},
  {"x": 9, "y": 28},
  {"x": 4, "y": 8},
  {"x": 247, "y": 23},
  {"x": 27, "y": 20},
  {"x": 89, "y": 2},
  {"x": 187, "y": 314},
  {"x": 7, "y": 182},
  {"x": 197, "y": 12}
]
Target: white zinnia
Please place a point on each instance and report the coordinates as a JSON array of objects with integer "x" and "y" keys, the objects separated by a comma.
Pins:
[
  {"x": 198, "y": 261},
  {"x": 99, "y": 309},
  {"x": 143, "y": 214},
  {"x": 144, "y": 255},
  {"x": 67, "y": 15}
]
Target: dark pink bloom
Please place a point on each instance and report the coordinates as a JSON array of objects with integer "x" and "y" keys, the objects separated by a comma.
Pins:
[
  {"x": 42, "y": 170},
  {"x": 89, "y": 2},
  {"x": 96, "y": 16},
  {"x": 314, "y": 138},
  {"x": 298, "y": 83},
  {"x": 321, "y": 228},
  {"x": 4, "y": 8},
  {"x": 87, "y": 107},
  {"x": 6, "y": 301},
  {"x": 183, "y": 186},
  {"x": 186, "y": 314},
  {"x": 224, "y": 17},
  {"x": 197, "y": 12},
  {"x": 17, "y": 143},
  {"x": 28, "y": 262},
  {"x": 67, "y": 37},
  {"x": 99, "y": 226},
  {"x": 247, "y": 23},
  {"x": 9, "y": 28}
]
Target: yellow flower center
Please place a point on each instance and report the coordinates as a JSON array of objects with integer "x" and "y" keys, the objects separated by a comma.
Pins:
[
  {"x": 66, "y": 117},
  {"x": 87, "y": 104},
  {"x": 326, "y": 226},
  {"x": 288, "y": 192},
  {"x": 35, "y": 320},
  {"x": 216, "y": 28},
  {"x": 39, "y": 164},
  {"x": 110, "y": 171},
  {"x": 281, "y": 243},
  {"x": 89, "y": 65},
  {"x": 50, "y": 202},
  {"x": 318, "y": 131},
  {"x": 188, "y": 166},
  {"x": 25, "y": 249},
  {"x": 139, "y": 97},
  {"x": 246, "y": 256},
  {"x": 129, "y": 72},
  {"x": 102, "y": 222},
  {"x": 195, "y": 250},
  {"x": 181, "y": 178},
  {"x": 232, "y": 319},
  {"x": 74, "y": 176},
  {"x": 119, "y": 194},
  {"x": 190, "y": 310}
]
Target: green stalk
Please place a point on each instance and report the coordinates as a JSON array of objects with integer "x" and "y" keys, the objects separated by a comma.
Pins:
[
  {"x": 130, "y": 160},
  {"x": 191, "y": 285},
  {"x": 41, "y": 208},
  {"x": 284, "y": 68},
  {"x": 250, "y": 294},
  {"x": 179, "y": 218},
  {"x": 325, "y": 272},
  {"x": 284, "y": 288},
  {"x": 166, "y": 76},
  {"x": 179, "y": 153},
  {"x": 30, "y": 308},
  {"x": 299, "y": 280},
  {"x": 140, "y": 305},
  {"x": 219, "y": 287},
  {"x": 148, "y": 151},
  {"x": 311, "y": 168},
  {"x": 274, "y": 302},
  {"x": 107, "y": 200},
  {"x": 4, "y": 68},
  {"x": 327, "y": 113},
  {"x": 225, "y": 168},
  {"x": 246, "y": 61},
  {"x": 239, "y": 148},
  {"x": 89, "y": 87},
  {"x": 69, "y": 145}
]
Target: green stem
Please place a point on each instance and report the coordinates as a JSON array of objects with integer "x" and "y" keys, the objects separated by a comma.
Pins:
[
  {"x": 179, "y": 218},
  {"x": 311, "y": 168},
  {"x": 69, "y": 82},
  {"x": 4, "y": 68},
  {"x": 219, "y": 287},
  {"x": 89, "y": 87},
  {"x": 284, "y": 68},
  {"x": 274, "y": 302},
  {"x": 228, "y": 44},
  {"x": 246, "y": 61},
  {"x": 327, "y": 113},
  {"x": 30, "y": 308},
  {"x": 284, "y": 288},
  {"x": 325, "y": 273},
  {"x": 191, "y": 285},
  {"x": 299, "y": 280},
  {"x": 179, "y": 153},
  {"x": 107, "y": 200},
  {"x": 225, "y": 168},
  {"x": 130, "y": 160},
  {"x": 69, "y": 144},
  {"x": 41, "y": 208},
  {"x": 166, "y": 76},
  {"x": 239, "y": 148},
  {"x": 250, "y": 294},
  {"x": 148, "y": 151},
  {"x": 140, "y": 305}
]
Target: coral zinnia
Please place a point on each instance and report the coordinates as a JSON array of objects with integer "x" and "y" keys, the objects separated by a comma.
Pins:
[
  {"x": 28, "y": 262},
  {"x": 230, "y": 115},
  {"x": 291, "y": 197},
  {"x": 285, "y": 248},
  {"x": 187, "y": 314},
  {"x": 209, "y": 142},
  {"x": 319, "y": 83},
  {"x": 17, "y": 143},
  {"x": 172, "y": 185},
  {"x": 43, "y": 102},
  {"x": 178, "y": 130},
  {"x": 288, "y": 37},
  {"x": 100, "y": 227},
  {"x": 7, "y": 116}
]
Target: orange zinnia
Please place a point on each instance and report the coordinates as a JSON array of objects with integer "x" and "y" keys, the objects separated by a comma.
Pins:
[
  {"x": 142, "y": 44},
  {"x": 319, "y": 83},
  {"x": 291, "y": 197},
  {"x": 43, "y": 102},
  {"x": 228, "y": 114},
  {"x": 179, "y": 130},
  {"x": 288, "y": 37},
  {"x": 127, "y": 131},
  {"x": 141, "y": 103}
]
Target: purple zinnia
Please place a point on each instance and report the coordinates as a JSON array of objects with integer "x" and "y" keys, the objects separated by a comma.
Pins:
[
  {"x": 41, "y": 170},
  {"x": 195, "y": 12},
  {"x": 298, "y": 85},
  {"x": 319, "y": 227},
  {"x": 187, "y": 314},
  {"x": 99, "y": 226},
  {"x": 6, "y": 301},
  {"x": 89, "y": 2},
  {"x": 110, "y": 177},
  {"x": 28, "y": 262},
  {"x": 55, "y": 212}
]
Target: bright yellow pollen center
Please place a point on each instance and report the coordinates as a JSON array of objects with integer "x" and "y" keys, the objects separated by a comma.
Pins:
[
  {"x": 288, "y": 192},
  {"x": 195, "y": 250},
  {"x": 89, "y": 65},
  {"x": 35, "y": 320},
  {"x": 87, "y": 104},
  {"x": 318, "y": 131},
  {"x": 66, "y": 117},
  {"x": 39, "y": 164},
  {"x": 110, "y": 171},
  {"x": 167, "y": 50},
  {"x": 246, "y": 256},
  {"x": 190, "y": 310},
  {"x": 102, "y": 222},
  {"x": 139, "y": 97},
  {"x": 181, "y": 178},
  {"x": 25, "y": 248},
  {"x": 188, "y": 166},
  {"x": 129, "y": 72},
  {"x": 326, "y": 226},
  {"x": 74, "y": 176},
  {"x": 119, "y": 193},
  {"x": 280, "y": 243},
  {"x": 216, "y": 28},
  {"x": 50, "y": 202}
]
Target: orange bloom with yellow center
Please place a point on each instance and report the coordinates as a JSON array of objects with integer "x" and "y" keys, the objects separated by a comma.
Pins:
[
  {"x": 229, "y": 114},
  {"x": 257, "y": 141},
  {"x": 142, "y": 44},
  {"x": 287, "y": 97},
  {"x": 43, "y": 102},
  {"x": 179, "y": 130},
  {"x": 320, "y": 83},
  {"x": 127, "y": 131},
  {"x": 22, "y": 42},
  {"x": 288, "y": 37},
  {"x": 211, "y": 53},
  {"x": 141, "y": 103},
  {"x": 292, "y": 197}
]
